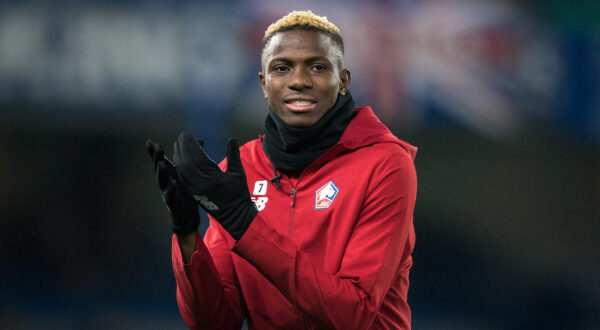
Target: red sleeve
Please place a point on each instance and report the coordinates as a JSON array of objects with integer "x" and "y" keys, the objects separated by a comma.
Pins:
[
  {"x": 351, "y": 297},
  {"x": 207, "y": 292}
]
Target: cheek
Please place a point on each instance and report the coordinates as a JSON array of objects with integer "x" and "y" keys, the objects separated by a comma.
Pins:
[
  {"x": 333, "y": 88},
  {"x": 334, "y": 83},
  {"x": 272, "y": 85}
]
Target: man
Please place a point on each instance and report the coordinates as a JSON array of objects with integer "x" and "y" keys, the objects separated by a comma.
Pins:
[{"x": 311, "y": 224}]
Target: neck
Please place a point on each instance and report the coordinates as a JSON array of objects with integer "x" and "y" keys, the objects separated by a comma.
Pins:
[{"x": 291, "y": 149}]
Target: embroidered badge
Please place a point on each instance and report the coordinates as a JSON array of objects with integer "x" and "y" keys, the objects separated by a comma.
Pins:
[{"x": 325, "y": 195}]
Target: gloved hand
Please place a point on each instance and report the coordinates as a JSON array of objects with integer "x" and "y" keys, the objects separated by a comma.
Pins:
[
  {"x": 185, "y": 217},
  {"x": 224, "y": 195}
]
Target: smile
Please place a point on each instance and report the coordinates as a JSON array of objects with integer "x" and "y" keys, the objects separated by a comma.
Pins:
[{"x": 300, "y": 105}]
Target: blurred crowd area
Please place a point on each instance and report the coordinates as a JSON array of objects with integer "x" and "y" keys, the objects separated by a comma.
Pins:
[{"x": 501, "y": 97}]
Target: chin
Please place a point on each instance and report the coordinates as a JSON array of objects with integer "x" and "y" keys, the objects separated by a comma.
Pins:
[{"x": 299, "y": 122}]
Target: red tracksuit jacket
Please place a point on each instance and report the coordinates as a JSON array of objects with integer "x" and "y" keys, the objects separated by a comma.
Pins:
[{"x": 330, "y": 249}]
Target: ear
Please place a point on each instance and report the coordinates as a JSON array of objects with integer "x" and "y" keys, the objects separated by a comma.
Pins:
[
  {"x": 345, "y": 78},
  {"x": 262, "y": 81}
]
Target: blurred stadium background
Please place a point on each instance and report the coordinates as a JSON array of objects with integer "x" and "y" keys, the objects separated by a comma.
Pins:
[{"x": 501, "y": 97}]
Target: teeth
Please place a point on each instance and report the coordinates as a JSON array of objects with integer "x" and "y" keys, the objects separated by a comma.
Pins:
[{"x": 300, "y": 102}]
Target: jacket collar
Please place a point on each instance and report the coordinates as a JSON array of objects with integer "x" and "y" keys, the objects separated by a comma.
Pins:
[{"x": 366, "y": 129}]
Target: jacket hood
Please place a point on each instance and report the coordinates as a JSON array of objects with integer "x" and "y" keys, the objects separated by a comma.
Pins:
[{"x": 366, "y": 129}]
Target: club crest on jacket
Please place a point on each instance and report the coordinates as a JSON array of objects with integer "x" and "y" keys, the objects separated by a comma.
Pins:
[{"x": 325, "y": 195}]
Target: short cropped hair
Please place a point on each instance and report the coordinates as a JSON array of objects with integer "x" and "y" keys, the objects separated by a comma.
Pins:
[{"x": 306, "y": 20}]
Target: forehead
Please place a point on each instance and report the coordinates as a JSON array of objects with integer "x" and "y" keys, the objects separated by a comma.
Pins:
[{"x": 297, "y": 43}]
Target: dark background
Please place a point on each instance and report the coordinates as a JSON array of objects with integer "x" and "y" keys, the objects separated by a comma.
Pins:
[{"x": 501, "y": 97}]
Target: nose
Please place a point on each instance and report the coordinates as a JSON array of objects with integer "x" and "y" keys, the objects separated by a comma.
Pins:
[{"x": 300, "y": 79}]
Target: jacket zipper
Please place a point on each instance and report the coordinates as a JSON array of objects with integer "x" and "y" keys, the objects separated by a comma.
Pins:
[
  {"x": 292, "y": 202},
  {"x": 291, "y": 232}
]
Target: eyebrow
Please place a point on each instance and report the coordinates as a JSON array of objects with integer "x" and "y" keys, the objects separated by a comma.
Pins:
[{"x": 307, "y": 60}]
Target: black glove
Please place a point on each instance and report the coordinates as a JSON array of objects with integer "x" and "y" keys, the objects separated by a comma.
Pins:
[
  {"x": 185, "y": 217},
  {"x": 224, "y": 195}
]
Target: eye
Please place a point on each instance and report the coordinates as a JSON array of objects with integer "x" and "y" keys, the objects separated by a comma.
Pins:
[
  {"x": 280, "y": 68},
  {"x": 318, "y": 67}
]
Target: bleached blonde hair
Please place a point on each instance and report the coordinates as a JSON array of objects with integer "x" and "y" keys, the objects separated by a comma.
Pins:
[{"x": 306, "y": 20}]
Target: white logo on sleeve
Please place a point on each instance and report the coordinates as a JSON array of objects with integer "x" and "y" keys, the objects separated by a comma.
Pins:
[{"x": 260, "y": 188}]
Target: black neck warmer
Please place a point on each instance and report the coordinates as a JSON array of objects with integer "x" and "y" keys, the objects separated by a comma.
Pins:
[{"x": 292, "y": 149}]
